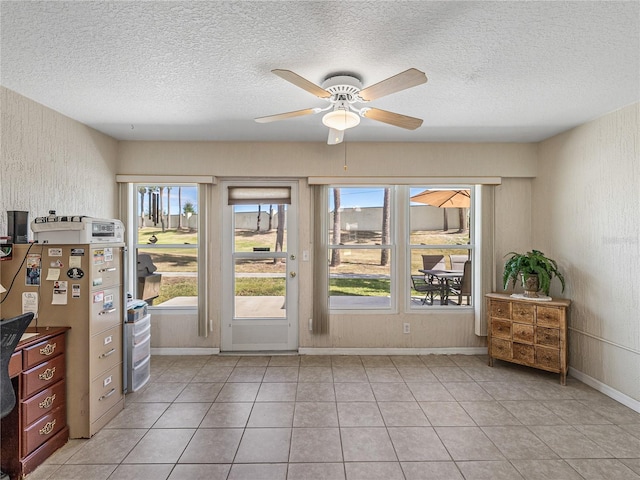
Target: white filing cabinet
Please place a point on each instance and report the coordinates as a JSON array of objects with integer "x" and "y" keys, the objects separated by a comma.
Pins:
[{"x": 138, "y": 346}]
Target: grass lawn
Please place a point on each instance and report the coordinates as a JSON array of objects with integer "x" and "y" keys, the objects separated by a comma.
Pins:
[{"x": 354, "y": 261}]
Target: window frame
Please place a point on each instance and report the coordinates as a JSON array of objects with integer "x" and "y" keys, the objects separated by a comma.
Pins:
[
  {"x": 471, "y": 247},
  {"x": 136, "y": 246},
  {"x": 392, "y": 307}
]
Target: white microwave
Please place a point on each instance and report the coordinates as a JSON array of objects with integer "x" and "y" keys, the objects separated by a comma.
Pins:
[{"x": 77, "y": 229}]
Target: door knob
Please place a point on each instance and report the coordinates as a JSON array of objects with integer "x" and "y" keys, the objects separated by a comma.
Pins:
[{"x": 292, "y": 274}]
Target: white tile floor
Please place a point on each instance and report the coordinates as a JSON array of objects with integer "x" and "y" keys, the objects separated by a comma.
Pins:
[{"x": 349, "y": 417}]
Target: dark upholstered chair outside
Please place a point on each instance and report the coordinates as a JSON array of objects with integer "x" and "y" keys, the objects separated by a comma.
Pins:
[
  {"x": 420, "y": 284},
  {"x": 462, "y": 289}
]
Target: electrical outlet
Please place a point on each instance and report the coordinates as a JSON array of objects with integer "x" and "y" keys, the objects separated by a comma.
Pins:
[{"x": 406, "y": 328}]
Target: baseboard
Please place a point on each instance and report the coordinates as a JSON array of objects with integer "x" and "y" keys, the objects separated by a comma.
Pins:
[
  {"x": 394, "y": 351},
  {"x": 620, "y": 397},
  {"x": 184, "y": 351}
]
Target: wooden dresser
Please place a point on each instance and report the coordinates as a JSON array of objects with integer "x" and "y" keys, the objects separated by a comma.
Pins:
[
  {"x": 37, "y": 426},
  {"x": 529, "y": 332}
]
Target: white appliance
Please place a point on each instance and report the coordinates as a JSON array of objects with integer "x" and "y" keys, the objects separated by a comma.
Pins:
[{"x": 76, "y": 229}]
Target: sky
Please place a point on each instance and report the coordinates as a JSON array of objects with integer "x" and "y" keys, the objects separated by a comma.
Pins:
[
  {"x": 188, "y": 194},
  {"x": 349, "y": 198}
]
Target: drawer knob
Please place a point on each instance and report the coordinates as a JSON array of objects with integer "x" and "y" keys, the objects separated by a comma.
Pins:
[
  {"x": 48, "y": 349},
  {"x": 47, "y": 374},
  {"x": 48, "y": 428},
  {"x": 47, "y": 402}
]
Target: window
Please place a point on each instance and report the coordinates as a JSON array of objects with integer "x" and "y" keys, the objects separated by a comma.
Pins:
[
  {"x": 440, "y": 246},
  {"x": 361, "y": 247},
  {"x": 435, "y": 255},
  {"x": 166, "y": 244}
]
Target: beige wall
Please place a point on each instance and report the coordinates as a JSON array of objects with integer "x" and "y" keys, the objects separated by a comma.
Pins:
[
  {"x": 51, "y": 162},
  {"x": 586, "y": 215},
  {"x": 301, "y": 160}
]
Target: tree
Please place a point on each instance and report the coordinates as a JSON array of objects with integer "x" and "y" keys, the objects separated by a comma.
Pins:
[
  {"x": 335, "y": 252},
  {"x": 280, "y": 230},
  {"x": 169, "y": 207},
  {"x": 270, "y": 218},
  {"x": 258, "y": 221},
  {"x": 160, "y": 207},
  {"x": 142, "y": 191},
  {"x": 463, "y": 222},
  {"x": 386, "y": 227},
  {"x": 188, "y": 210},
  {"x": 179, "y": 208}
]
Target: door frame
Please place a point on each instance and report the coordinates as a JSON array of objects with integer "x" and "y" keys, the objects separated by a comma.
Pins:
[{"x": 227, "y": 321}]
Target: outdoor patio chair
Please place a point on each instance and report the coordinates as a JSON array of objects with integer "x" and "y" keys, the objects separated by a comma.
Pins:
[
  {"x": 433, "y": 262},
  {"x": 457, "y": 261},
  {"x": 420, "y": 284},
  {"x": 463, "y": 288}
]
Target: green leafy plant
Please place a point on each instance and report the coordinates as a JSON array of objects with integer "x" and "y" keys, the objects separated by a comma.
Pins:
[{"x": 531, "y": 263}]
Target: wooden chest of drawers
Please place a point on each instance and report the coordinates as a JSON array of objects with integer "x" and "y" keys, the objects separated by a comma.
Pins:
[
  {"x": 529, "y": 332},
  {"x": 37, "y": 426}
]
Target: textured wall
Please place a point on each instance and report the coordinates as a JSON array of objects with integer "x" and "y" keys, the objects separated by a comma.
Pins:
[
  {"x": 50, "y": 162},
  {"x": 586, "y": 215}
]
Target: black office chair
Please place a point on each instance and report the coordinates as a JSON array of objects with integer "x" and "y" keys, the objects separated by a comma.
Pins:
[{"x": 11, "y": 331}]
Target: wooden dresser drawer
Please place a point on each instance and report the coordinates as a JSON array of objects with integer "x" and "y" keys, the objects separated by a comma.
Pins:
[
  {"x": 43, "y": 351},
  {"x": 42, "y": 376},
  {"x": 523, "y": 353},
  {"x": 501, "y": 329},
  {"x": 549, "y": 337},
  {"x": 501, "y": 348},
  {"x": 548, "y": 358},
  {"x": 500, "y": 309},
  {"x": 106, "y": 391},
  {"x": 43, "y": 403},
  {"x": 548, "y": 316},
  {"x": 523, "y": 333},
  {"x": 15, "y": 364},
  {"x": 106, "y": 351},
  {"x": 43, "y": 429},
  {"x": 523, "y": 313}
]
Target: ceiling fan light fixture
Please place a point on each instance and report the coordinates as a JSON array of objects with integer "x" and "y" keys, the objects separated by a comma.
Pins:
[{"x": 341, "y": 119}]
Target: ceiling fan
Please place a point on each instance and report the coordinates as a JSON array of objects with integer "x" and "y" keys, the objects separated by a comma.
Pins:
[{"x": 343, "y": 92}]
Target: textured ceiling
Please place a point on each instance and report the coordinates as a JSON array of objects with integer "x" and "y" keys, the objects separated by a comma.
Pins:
[{"x": 498, "y": 71}]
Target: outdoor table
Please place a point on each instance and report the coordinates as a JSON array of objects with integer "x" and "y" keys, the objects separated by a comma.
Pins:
[{"x": 444, "y": 277}]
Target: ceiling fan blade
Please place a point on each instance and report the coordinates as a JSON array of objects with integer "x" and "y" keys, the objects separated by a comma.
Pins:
[
  {"x": 402, "y": 121},
  {"x": 283, "y": 116},
  {"x": 335, "y": 136},
  {"x": 303, "y": 83},
  {"x": 402, "y": 81}
]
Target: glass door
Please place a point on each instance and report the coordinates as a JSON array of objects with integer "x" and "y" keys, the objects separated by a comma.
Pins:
[{"x": 260, "y": 311}]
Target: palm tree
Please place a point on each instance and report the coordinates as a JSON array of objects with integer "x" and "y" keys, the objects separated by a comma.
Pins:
[
  {"x": 142, "y": 191},
  {"x": 335, "y": 252},
  {"x": 169, "y": 207},
  {"x": 179, "y": 208},
  {"x": 280, "y": 231},
  {"x": 160, "y": 207},
  {"x": 386, "y": 227}
]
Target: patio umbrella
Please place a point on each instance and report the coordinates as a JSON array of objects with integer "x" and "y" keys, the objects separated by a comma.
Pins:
[{"x": 444, "y": 198}]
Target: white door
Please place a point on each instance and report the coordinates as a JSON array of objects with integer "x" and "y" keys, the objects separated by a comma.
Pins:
[{"x": 260, "y": 283}]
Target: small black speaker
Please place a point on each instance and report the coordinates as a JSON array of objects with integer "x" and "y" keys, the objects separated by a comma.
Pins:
[{"x": 18, "y": 226}]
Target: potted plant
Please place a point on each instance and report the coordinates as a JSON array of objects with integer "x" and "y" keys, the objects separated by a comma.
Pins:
[{"x": 534, "y": 270}]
